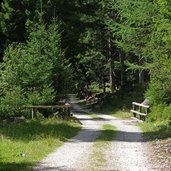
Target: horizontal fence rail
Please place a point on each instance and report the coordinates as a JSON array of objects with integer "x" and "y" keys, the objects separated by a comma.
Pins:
[
  {"x": 66, "y": 107},
  {"x": 139, "y": 109}
]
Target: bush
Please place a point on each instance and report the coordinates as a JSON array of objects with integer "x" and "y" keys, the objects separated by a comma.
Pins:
[
  {"x": 167, "y": 113},
  {"x": 13, "y": 103},
  {"x": 42, "y": 96},
  {"x": 29, "y": 69},
  {"x": 160, "y": 112}
]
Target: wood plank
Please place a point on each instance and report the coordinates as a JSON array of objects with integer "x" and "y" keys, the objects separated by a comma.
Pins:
[
  {"x": 133, "y": 111},
  {"x": 32, "y": 113},
  {"x": 56, "y": 106},
  {"x": 139, "y": 104},
  {"x": 66, "y": 108}
]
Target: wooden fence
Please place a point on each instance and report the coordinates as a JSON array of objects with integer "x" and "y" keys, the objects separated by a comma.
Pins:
[
  {"x": 66, "y": 108},
  {"x": 140, "y": 109}
]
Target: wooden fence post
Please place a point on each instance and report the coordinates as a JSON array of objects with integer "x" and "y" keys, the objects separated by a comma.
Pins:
[{"x": 32, "y": 113}]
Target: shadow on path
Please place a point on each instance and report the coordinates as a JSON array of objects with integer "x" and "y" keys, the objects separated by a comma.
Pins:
[
  {"x": 6, "y": 166},
  {"x": 122, "y": 136}
]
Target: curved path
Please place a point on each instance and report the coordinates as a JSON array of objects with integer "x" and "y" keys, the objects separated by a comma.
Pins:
[{"x": 127, "y": 151}]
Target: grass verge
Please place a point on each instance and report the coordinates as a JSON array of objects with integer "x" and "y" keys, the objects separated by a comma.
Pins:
[
  {"x": 23, "y": 144},
  {"x": 159, "y": 133},
  {"x": 156, "y": 130},
  {"x": 116, "y": 112},
  {"x": 121, "y": 114},
  {"x": 98, "y": 157}
]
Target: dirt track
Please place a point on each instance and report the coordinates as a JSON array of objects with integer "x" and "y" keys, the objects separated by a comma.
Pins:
[{"x": 127, "y": 151}]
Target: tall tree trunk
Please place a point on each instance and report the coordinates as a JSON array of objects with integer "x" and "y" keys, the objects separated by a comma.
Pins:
[
  {"x": 141, "y": 73},
  {"x": 111, "y": 66},
  {"x": 122, "y": 69},
  {"x": 104, "y": 86}
]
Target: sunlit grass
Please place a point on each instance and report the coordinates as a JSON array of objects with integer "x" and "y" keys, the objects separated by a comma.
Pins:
[
  {"x": 116, "y": 112},
  {"x": 108, "y": 132},
  {"x": 156, "y": 130},
  {"x": 94, "y": 116},
  {"x": 23, "y": 144},
  {"x": 121, "y": 114},
  {"x": 101, "y": 144}
]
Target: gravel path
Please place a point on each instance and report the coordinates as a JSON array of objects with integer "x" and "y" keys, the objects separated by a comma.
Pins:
[
  {"x": 127, "y": 151},
  {"x": 66, "y": 157}
]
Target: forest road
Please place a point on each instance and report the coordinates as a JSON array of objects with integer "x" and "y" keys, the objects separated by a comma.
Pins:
[{"x": 126, "y": 152}]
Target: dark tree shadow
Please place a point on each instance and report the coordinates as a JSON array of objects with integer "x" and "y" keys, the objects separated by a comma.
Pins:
[
  {"x": 15, "y": 166},
  {"x": 29, "y": 130}
]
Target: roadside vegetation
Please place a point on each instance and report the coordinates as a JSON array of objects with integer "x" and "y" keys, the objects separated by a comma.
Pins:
[
  {"x": 117, "y": 104},
  {"x": 157, "y": 125},
  {"x": 159, "y": 134},
  {"x": 156, "y": 129},
  {"x": 24, "y": 143}
]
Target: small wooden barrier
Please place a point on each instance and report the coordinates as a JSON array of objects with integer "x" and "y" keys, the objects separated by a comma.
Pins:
[
  {"x": 139, "y": 109},
  {"x": 66, "y": 108}
]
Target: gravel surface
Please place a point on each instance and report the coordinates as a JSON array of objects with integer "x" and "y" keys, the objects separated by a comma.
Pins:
[
  {"x": 66, "y": 157},
  {"x": 127, "y": 151}
]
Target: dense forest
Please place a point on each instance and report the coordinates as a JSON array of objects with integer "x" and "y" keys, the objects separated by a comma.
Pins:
[{"x": 56, "y": 47}]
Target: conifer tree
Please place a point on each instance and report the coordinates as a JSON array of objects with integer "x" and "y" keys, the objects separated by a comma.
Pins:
[{"x": 31, "y": 70}]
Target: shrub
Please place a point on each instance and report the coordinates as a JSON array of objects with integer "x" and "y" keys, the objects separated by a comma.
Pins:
[
  {"x": 160, "y": 112},
  {"x": 46, "y": 95},
  {"x": 12, "y": 103},
  {"x": 29, "y": 69},
  {"x": 167, "y": 113}
]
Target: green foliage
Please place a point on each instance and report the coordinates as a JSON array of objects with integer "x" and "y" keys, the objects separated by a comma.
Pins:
[
  {"x": 157, "y": 112},
  {"x": 12, "y": 102},
  {"x": 160, "y": 112},
  {"x": 167, "y": 113},
  {"x": 44, "y": 96},
  {"x": 29, "y": 70},
  {"x": 140, "y": 34},
  {"x": 160, "y": 68},
  {"x": 142, "y": 30},
  {"x": 156, "y": 130}
]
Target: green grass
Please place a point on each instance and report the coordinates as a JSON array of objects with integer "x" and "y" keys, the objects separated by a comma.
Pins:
[
  {"x": 97, "y": 157},
  {"x": 122, "y": 114},
  {"x": 94, "y": 116},
  {"x": 107, "y": 134},
  {"x": 116, "y": 112},
  {"x": 23, "y": 144},
  {"x": 113, "y": 111},
  {"x": 159, "y": 133},
  {"x": 156, "y": 130}
]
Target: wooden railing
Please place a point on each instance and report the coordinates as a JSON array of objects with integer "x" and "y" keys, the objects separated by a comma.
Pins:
[
  {"x": 66, "y": 108},
  {"x": 140, "y": 109}
]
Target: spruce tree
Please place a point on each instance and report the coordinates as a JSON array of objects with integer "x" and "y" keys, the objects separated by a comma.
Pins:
[{"x": 30, "y": 69}]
